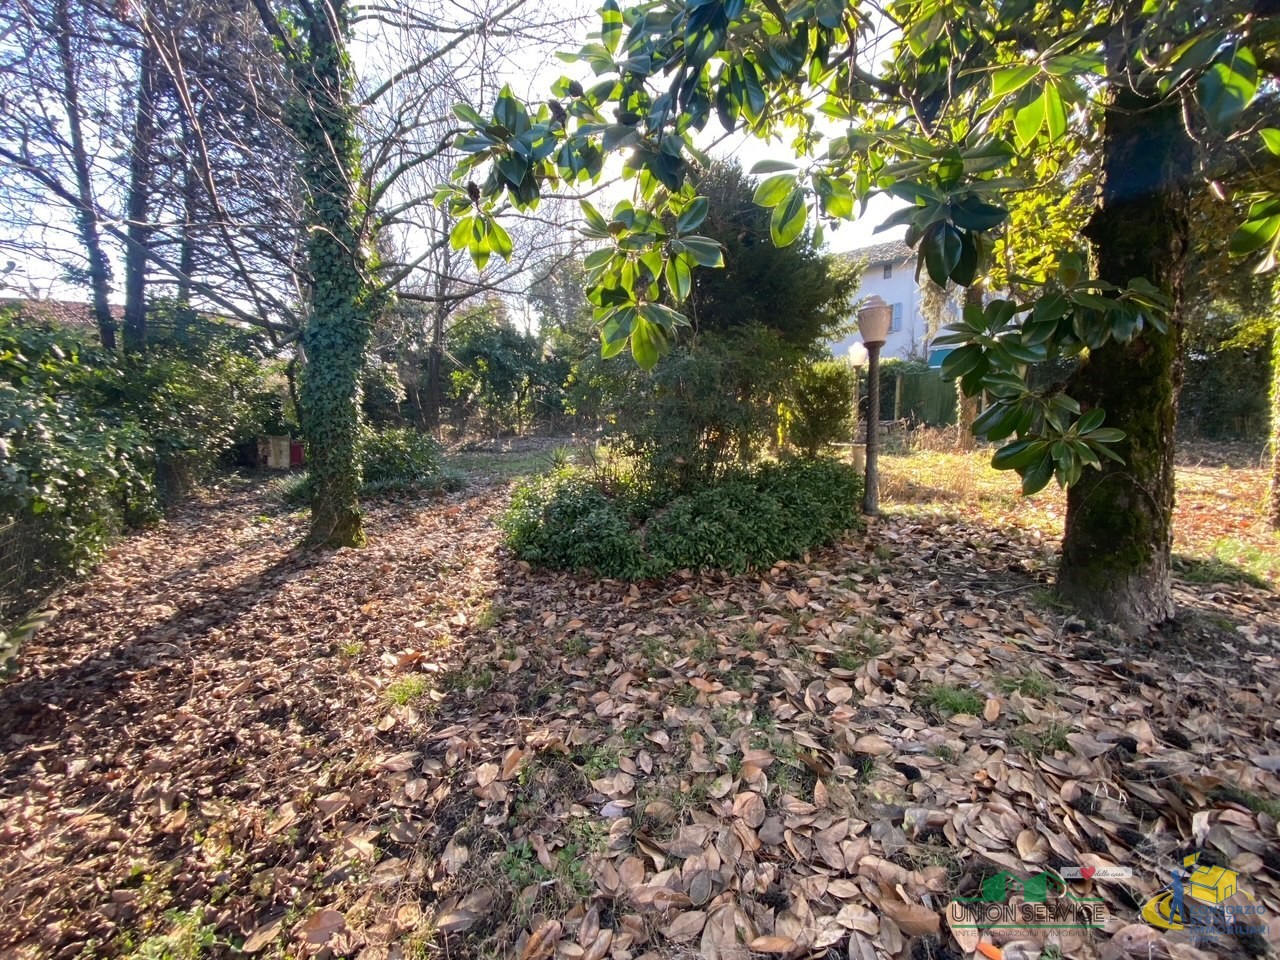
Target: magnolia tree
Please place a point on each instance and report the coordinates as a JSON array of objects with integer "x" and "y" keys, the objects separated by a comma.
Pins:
[{"x": 953, "y": 107}]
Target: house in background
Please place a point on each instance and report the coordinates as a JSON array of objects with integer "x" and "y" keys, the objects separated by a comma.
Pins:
[{"x": 890, "y": 273}]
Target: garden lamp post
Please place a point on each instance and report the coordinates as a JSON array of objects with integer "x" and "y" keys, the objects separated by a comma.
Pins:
[{"x": 874, "y": 320}]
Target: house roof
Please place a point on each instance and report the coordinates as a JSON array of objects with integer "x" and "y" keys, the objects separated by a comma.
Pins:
[
  {"x": 893, "y": 251},
  {"x": 62, "y": 313}
]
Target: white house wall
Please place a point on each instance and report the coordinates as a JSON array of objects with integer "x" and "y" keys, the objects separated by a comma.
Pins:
[{"x": 901, "y": 288}]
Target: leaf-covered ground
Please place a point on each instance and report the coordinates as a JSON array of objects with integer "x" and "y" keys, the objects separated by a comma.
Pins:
[{"x": 424, "y": 748}]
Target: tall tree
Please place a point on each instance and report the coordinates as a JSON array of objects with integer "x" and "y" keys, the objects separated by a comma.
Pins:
[{"x": 973, "y": 95}]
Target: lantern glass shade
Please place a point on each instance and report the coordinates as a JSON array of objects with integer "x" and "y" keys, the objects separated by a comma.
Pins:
[
  {"x": 858, "y": 355},
  {"x": 874, "y": 320}
]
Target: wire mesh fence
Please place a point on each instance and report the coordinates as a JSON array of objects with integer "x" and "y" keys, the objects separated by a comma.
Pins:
[{"x": 23, "y": 583}]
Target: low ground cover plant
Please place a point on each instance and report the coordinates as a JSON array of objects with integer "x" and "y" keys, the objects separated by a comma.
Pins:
[{"x": 750, "y": 519}]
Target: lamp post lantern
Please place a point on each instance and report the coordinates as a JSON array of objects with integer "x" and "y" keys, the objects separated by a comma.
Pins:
[{"x": 874, "y": 320}]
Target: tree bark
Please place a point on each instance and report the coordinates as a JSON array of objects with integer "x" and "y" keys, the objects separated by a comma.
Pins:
[
  {"x": 140, "y": 183},
  {"x": 1119, "y": 528},
  {"x": 339, "y": 262},
  {"x": 86, "y": 214}
]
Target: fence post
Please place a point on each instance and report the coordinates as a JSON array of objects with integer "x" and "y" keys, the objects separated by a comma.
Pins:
[
  {"x": 857, "y": 396},
  {"x": 897, "y": 398}
]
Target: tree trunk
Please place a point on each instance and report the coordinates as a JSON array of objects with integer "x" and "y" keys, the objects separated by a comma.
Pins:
[
  {"x": 190, "y": 212},
  {"x": 140, "y": 231},
  {"x": 86, "y": 214},
  {"x": 343, "y": 305},
  {"x": 1119, "y": 529},
  {"x": 1273, "y": 495}
]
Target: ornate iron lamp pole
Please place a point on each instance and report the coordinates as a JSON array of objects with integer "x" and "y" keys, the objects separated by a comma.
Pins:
[{"x": 874, "y": 320}]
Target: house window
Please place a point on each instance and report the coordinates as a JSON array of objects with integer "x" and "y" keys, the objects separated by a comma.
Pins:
[
  {"x": 897, "y": 318},
  {"x": 888, "y": 271}
]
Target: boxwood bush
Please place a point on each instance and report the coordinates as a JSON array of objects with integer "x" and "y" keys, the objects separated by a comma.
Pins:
[{"x": 749, "y": 520}]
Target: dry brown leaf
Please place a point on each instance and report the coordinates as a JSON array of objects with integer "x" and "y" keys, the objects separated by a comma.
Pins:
[
  {"x": 773, "y": 945},
  {"x": 264, "y": 935},
  {"x": 685, "y": 926},
  {"x": 914, "y": 919},
  {"x": 872, "y": 744},
  {"x": 321, "y": 926},
  {"x": 542, "y": 942},
  {"x": 750, "y": 807}
]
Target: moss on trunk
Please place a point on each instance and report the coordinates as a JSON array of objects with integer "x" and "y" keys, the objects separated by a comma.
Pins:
[
  {"x": 323, "y": 118},
  {"x": 1116, "y": 548}
]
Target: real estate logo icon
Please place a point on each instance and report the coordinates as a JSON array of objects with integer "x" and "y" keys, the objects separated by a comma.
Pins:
[
  {"x": 1043, "y": 901},
  {"x": 1210, "y": 886}
]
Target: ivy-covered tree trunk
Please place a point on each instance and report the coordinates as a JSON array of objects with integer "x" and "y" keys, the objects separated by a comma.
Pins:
[
  {"x": 1119, "y": 529},
  {"x": 336, "y": 336}
]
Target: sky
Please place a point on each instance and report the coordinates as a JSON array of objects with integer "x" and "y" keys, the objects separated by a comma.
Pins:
[{"x": 531, "y": 72}]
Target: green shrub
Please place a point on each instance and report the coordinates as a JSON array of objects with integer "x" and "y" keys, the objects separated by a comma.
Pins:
[
  {"x": 90, "y": 441},
  {"x": 750, "y": 519},
  {"x": 403, "y": 459},
  {"x": 819, "y": 411},
  {"x": 396, "y": 460},
  {"x": 710, "y": 408}
]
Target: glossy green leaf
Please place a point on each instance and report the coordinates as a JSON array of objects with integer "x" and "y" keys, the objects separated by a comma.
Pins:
[
  {"x": 692, "y": 216},
  {"x": 1020, "y": 453},
  {"x": 942, "y": 251},
  {"x": 1055, "y": 112},
  {"x": 611, "y": 25},
  {"x": 1028, "y": 120},
  {"x": 973, "y": 213},
  {"x": 500, "y": 240},
  {"x": 679, "y": 277},
  {"x": 775, "y": 189},
  {"x": 772, "y": 166},
  {"x": 1228, "y": 87},
  {"x": 1009, "y": 80},
  {"x": 1254, "y": 235},
  {"x": 705, "y": 251},
  {"x": 789, "y": 218},
  {"x": 1037, "y": 476}
]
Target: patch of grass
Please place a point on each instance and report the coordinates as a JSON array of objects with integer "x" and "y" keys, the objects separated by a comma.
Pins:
[
  {"x": 576, "y": 645},
  {"x": 521, "y": 867},
  {"x": 351, "y": 649},
  {"x": 471, "y": 677},
  {"x": 705, "y": 649},
  {"x": 1047, "y": 738},
  {"x": 950, "y": 699},
  {"x": 1254, "y": 801},
  {"x": 596, "y": 761},
  {"x": 1032, "y": 683},
  {"x": 187, "y": 938},
  {"x": 1230, "y": 560},
  {"x": 404, "y": 690},
  {"x": 849, "y": 660},
  {"x": 489, "y": 616},
  {"x": 655, "y": 650},
  {"x": 740, "y": 679},
  {"x": 945, "y": 753},
  {"x": 685, "y": 695},
  {"x": 503, "y": 466}
]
